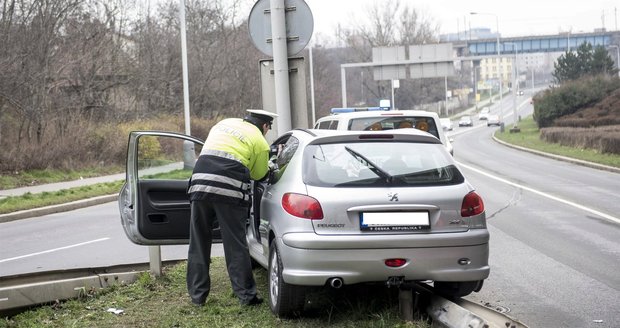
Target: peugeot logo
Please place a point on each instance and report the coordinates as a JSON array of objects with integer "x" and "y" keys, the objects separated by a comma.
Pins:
[{"x": 393, "y": 197}]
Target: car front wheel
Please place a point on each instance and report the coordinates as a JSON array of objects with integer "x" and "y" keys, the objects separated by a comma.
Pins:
[{"x": 285, "y": 300}]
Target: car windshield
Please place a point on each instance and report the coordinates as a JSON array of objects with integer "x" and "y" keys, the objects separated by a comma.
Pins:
[
  {"x": 426, "y": 124},
  {"x": 364, "y": 164}
]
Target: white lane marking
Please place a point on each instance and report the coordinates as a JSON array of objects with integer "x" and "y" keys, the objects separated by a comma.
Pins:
[
  {"x": 558, "y": 199},
  {"x": 54, "y": 250}
]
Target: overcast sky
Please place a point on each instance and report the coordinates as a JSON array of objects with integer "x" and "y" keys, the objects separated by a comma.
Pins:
[{"x": 516, "y": 18}]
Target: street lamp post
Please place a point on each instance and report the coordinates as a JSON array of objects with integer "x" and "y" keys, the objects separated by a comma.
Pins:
[
  {"x": 476, "y": 68},
  {"x": 514, "y": 89},
  {"x": 499, "y": 65},
  {"x": 617, "y": 56}
]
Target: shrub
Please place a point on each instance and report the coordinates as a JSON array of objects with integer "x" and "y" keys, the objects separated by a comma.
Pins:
[{"x": 570, "y": 97}]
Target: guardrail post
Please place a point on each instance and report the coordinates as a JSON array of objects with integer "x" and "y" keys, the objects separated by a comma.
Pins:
[
  {"x": 155, "y": 260},
  {"x": 405, "y": 303}
]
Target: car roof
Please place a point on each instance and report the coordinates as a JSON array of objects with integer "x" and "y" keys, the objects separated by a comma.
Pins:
[
  {"x": 379, "y": 113},
  {"x": 411, "y": 135}
]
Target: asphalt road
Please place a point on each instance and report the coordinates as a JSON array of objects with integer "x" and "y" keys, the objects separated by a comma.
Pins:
[
  {"x": 85, "y": 238},
  {"x": 555, "y": 251}
]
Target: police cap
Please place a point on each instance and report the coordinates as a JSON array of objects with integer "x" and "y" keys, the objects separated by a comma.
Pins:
[{"x": 262, "y": 115}]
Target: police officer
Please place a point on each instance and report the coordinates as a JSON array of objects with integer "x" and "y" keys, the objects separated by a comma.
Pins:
[{"x": 234, "y": 153}]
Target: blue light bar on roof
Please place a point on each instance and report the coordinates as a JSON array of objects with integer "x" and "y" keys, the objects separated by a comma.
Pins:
[{"x": 356, "y": 109}]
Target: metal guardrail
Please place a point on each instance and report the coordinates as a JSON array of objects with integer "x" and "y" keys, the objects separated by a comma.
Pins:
[
  {"x": 463, "y": 313},
  {"x": 25, "y": 290}
]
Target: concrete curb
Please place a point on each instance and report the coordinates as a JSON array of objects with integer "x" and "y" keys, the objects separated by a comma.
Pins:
[
  {"x": 57, "y": 208},
  {"x": 559, "y": 157},
  {"x": 18, "y": 292}
]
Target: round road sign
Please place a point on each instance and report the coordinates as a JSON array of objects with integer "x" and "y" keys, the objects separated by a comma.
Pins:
[{"x": 299, "y": 26}]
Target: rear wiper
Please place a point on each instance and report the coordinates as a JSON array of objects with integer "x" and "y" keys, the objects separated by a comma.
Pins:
[{"x": 368, "y": 163}]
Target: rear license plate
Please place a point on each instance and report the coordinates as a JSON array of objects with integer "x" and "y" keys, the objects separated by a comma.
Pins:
[{"x": 394, "y": 221}]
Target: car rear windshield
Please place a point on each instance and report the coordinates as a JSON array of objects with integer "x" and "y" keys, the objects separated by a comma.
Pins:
[
  {"x": 369, "y": 164},
  {"x": 426, "y": 124}
]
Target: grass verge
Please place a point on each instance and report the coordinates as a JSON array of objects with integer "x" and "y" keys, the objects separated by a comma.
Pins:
[
  {"x": 11, "y": 180},
  {"x": 529, "y": 138},
  {"x": 163, "y": 302},
  {"x": 30, "y": 201}
]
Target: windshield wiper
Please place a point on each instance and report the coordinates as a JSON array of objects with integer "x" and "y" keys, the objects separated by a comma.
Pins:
[{"x": 368, "y": 163}]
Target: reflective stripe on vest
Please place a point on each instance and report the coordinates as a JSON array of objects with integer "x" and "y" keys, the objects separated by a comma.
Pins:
[
  {"x": 220, "y": 153},
  {"x": 222, "y": 179},
  {"x": 219, "y": 191}
]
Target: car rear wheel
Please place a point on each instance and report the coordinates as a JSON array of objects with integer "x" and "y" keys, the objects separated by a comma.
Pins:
[
  {"x": 452, "y": 289},
  {"x": 285, "y": 300}
]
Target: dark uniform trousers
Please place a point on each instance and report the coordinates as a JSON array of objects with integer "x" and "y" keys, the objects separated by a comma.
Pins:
[{"x": 232, "y": 221}]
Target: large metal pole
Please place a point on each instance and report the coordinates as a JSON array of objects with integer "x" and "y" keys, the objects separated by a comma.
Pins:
[
  {"x": 445, "y": 81},
  {"x": 475, "y": 85},
  {"x": 514, "y": 88},
  {"x": 155, "y": 251},
  {"x": 617, "y": 56},
  {"x": 184, "y": 60},
  {"x": 343, "y": 85},
  {"x": 280, "y": 64},
  {"x": 514, "y": 82},
  {"x": 501, "y": 89},
  {"x": 392, "y": 104},
  {"x": 312, "y": 87}
]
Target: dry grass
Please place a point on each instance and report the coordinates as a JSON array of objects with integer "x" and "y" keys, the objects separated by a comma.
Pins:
[
  {"x": 82, "y": 144},
  {"x": 604, "y": 139}
]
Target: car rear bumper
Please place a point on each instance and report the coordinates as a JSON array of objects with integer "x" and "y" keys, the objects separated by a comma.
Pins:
[{"x": 314, "y": 266}]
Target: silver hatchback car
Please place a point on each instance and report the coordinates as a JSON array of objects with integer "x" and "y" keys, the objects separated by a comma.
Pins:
[{"x": 340, "y": 208}]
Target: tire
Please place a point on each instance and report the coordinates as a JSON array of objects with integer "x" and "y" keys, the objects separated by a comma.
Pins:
[
  {"x": 285, "y": 300},
  {"x": 450, "y": 289}
]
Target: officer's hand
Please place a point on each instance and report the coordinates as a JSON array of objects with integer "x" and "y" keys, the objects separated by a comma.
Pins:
[{"x": 274, "y": 150}]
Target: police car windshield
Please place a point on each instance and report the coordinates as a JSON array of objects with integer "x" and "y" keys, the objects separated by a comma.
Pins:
[{"x": 425, "y": 124}]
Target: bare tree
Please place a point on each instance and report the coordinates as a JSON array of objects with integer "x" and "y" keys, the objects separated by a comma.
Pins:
[{"x": 398, "y": 24}]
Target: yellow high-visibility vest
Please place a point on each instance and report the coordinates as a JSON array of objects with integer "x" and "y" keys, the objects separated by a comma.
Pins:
[{"x": 244, "y": 141}]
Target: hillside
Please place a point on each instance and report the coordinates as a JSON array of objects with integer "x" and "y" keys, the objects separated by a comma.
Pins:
[
  {"x": 605, "y": 112},
  {"x": 595, "y": 127}
]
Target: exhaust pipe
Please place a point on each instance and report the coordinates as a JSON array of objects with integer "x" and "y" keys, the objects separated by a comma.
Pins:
[{"x": 335, "y": 282}]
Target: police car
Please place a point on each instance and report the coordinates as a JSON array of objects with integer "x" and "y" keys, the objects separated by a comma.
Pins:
[{"x": 379, "y": 118}]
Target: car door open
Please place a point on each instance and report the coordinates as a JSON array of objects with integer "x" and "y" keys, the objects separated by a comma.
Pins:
[{"x": 153, "y": 202}]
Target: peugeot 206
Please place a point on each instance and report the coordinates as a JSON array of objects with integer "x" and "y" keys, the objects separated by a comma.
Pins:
[{"x": 338, "y": 208}]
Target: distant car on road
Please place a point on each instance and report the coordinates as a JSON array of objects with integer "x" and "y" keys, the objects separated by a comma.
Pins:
[
  {"x": 466, "y": 121},
  {"x": 520, "y": 93},
  {"x": 493, "y": 120},
  {"x": 446, "y": 124},
  {"x": 484, "y": 114}
]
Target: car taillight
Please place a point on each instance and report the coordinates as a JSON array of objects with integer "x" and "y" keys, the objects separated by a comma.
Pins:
[
  {"x": 302, "y": 206},
  {"x": 395, "y": 263},
  {"x": 472, "y": 205}
]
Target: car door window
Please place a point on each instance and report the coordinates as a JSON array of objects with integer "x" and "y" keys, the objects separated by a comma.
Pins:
[
  {"x": 289, "y": 147},
  {"x": 166, "y": 158},
  {"x": 164, "y": 167}
]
